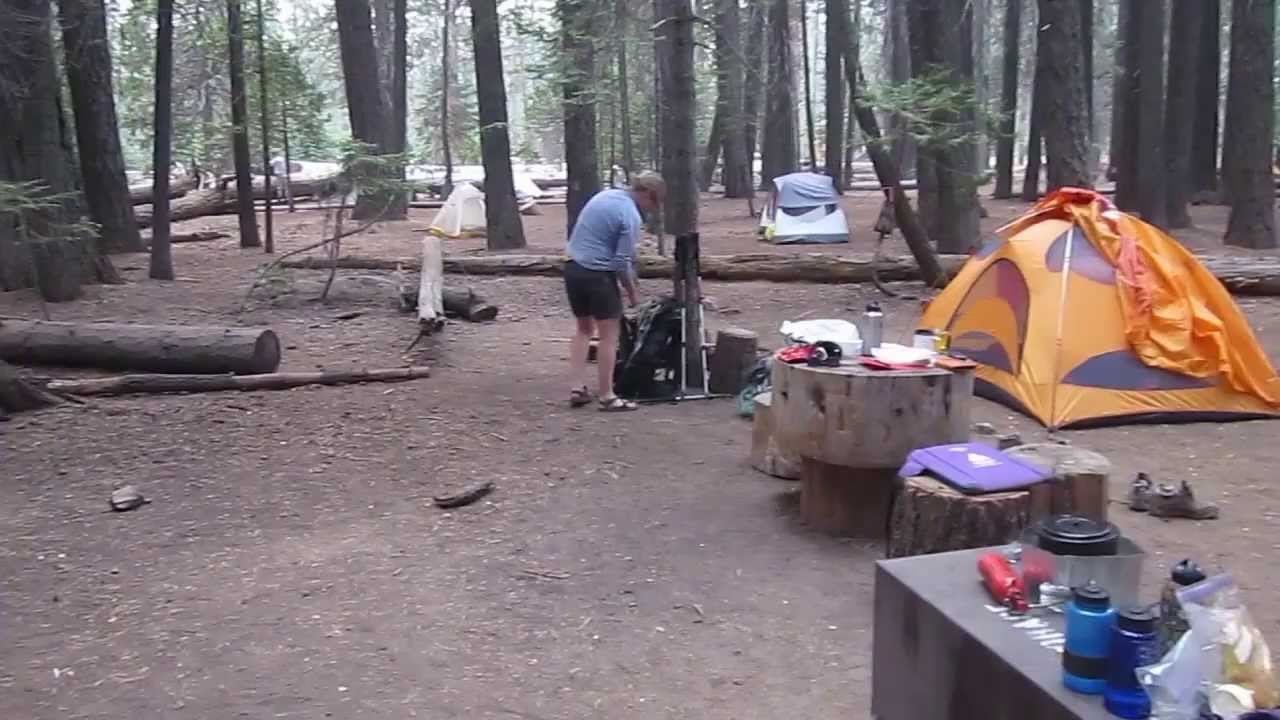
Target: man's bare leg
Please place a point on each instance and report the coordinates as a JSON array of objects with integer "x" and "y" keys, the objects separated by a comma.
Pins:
[
  {"x": 606, "y": 355},
  {"x": 579, "y": 348}
]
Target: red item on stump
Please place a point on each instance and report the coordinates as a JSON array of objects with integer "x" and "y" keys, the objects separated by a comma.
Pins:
[{"x": 1002, "y": 581}]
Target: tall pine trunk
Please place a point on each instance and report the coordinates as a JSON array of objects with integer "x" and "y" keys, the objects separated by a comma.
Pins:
[
  {"x": 711, "y": 153},
  {"x": 679, "y": 156},
  {"x": 779, "y": 155},
  {"x": 240, "y": 128},
  {"x": 161, "y": 265},
  {"x": 754, "y": 81},
  {"x": 1141, "y": 184},
  {"x": 502, "y": 216},
  {"x": 1035, "y": 124},
  {"x": 1086, "y": 41},
  {"x": 366, "y": 109},
  {"x": 729, "y": 98},
  {"x": 1008, "y": 99},
  {"x": 898, "y": 63},
  {"x": 1180, "y": 110},
  {"x": 942, "y": 49},
  {"x": 106, "y": 190},
  {"x": 1119, "y": 97},
  {"x": 446, "y": 74},
  {"x": 1248, "y": 139},
  {"x": 398, "y": 143},
  {"x": 577, "y": 48},
  {"x": 1066, "y": 106},
  {"x": 624, "y": 91},
  {"x": 264, "y": 113},
  {"x": 1204, "y": 132},
  {"x": 833, "y": 77},
  {"x": 808, "y": 85}
]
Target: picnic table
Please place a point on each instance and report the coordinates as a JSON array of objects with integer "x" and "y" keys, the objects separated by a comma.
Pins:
[{"x": 943, "y": 651}]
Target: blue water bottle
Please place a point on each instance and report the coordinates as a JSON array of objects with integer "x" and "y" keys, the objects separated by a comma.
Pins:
[
  {"x": 1133, "y": 645},
  {"x": 1089, "y": 621}
]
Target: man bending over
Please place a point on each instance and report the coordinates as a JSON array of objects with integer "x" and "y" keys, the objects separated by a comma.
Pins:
[{"x": 602, "y": 250}]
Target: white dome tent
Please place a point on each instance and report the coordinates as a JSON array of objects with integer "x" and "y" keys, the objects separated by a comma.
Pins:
[
  {"x": 803, "y": 207},
  {"x": 462, "y": 214}
]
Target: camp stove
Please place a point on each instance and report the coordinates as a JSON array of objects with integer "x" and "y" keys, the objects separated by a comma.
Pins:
[{"x": 1067, "y": 551}]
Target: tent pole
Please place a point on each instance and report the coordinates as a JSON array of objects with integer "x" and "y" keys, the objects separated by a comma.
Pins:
[{"x": 1057, "y": 336}]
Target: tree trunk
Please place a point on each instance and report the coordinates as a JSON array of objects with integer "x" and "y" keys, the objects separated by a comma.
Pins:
[
  {"x": 446, "y": 71},
  {"x": 366, "y": 108},
  {"x": 897, "y": 60},
  {"x": 264, "y": 113},
  {"x": 382, "y": 16},
  {"x": 1119, "y": 99},
  {"x": 1031, "y": 174},
  {"x": 808, "y": 83},
  {"x": 32, "y": 145},
  {"x": 1086, "y": 40},
  {"x": 1143, "y": 170},
  {"x": 754, "y": 87},
  {"x": 624, "y": 91},
  {"x": 834, "y": 80},
  {"x": 1180, "y": 110},
  {"x": 398, "y": 143},
  {"x": 580, "y": 152},
  {"x": 1248, "y": 140},
  {"x": 1066, "y": 108},
  {"x": 88, "y": 65},
  {"x": 240, "y": 127},
  {"x": 1008, "y": 100},
  {"x": 1204, "y": 132},
  {"x": 711, "y": 155},
  {"x": 730, "y": 69},
  {"x": 150, "y": 384},
  {"x": 161, "y": 261},
  {"x": 158, "y": 348},
  {"x": 678, "y": 101},
  {"x": 941, "y": 33},
  {"x": 981, "y": 82},
  {"x": 779, "y": 152},
  {"x": 502, "y": 217}
]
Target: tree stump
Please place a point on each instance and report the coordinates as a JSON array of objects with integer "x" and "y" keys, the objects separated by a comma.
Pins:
[
  {"x": 58, "y": 265},
  {"x": 766, "y": 455},
  {"x": 930, "y": 516},
  {"x": 17, "y": 395},
  {"x": 733, "y": 357},
  {"x": 854, "y": 427},
  {"x": 1078, "y": 483}
]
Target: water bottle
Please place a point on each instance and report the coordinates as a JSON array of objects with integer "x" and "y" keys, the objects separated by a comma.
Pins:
[
  {"x": 1133, "y": 645},
  {"x": 1089, "y": 621},
  {"x": 1173, "y": 621},
  {"x": 872, "y": 328}
]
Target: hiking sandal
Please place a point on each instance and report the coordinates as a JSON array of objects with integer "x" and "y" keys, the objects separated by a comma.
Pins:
[
  {"x": 579, "y": 397},
  {"x": 616, "y": 404}
]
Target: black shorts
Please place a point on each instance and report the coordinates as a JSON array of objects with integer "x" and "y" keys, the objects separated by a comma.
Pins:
[{"x": 592, "y": 293}]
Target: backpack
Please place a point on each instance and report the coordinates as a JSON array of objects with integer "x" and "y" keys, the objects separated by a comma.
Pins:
[{"x": 649, "y": 352}]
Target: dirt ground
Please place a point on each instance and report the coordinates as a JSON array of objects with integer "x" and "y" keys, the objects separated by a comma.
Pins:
[{"x": 292, "y": 564}]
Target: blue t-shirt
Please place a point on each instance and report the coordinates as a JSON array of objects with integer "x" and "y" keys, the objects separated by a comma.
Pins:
[{"x": 604, "y": 237}]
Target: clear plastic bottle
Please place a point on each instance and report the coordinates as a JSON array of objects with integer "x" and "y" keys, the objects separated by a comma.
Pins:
[
  {"x": 1090, "y": 618},
  {"x": 1133, "y": 645},
  {"x": 872, "y": 328}
]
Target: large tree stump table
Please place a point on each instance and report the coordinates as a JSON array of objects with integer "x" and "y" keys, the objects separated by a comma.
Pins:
[{"x": 853, "y": 428}]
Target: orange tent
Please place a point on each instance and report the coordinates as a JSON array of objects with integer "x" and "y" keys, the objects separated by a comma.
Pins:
[{"x": 1079, "y": 315}]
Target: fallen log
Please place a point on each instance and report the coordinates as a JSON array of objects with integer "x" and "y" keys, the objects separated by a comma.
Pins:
[
  {"x": 158, "y": 348},
  {"x": 198, "y": 236},
  {"x": 192, "y": 205},
  {"x": 468, "y": 305},
  {"x": 142, "y": 192},
  {"x": 431, "y": 285},
  {"x": 1240, "y": 275},
  {"x": 150, "y": 384}
]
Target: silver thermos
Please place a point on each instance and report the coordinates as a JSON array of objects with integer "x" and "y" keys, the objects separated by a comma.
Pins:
[{"x": 872, "y": 328}]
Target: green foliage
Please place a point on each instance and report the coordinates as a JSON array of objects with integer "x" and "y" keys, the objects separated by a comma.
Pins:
[
  {"x": 940, "y": 112},
  {"x": 201, "y": 86},
  {"x": 24, "y": 199}
]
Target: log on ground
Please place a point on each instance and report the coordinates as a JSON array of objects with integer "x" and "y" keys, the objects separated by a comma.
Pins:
[
  {"x": 192, "y": 205},
  {"x": 930, "y": 516},
  {"x": 1241, "y": 276},
  {"x": 156, "y": 348},
  {"x": 190, "y": 237},
  {"x": 143, "y": 192},
  {"x": 1078, "y": 483},
  {"x": 468, "y": 305},
  {"x": 148, "y": 384}
]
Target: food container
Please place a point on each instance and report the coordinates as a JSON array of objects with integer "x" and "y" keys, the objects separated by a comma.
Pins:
[
  {"x": 1067, "y": 551},
  {"x": 925, "y": 340}
]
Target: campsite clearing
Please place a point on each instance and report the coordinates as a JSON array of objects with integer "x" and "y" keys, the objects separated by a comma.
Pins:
[{"x": 292, "y": 560}]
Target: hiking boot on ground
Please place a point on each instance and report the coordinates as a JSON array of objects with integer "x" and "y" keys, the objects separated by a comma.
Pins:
[
  {"x": 1169, "y": 502},
  {"x": 1140, "y": 493}
]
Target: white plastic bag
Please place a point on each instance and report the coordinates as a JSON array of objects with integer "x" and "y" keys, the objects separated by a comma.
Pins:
[{"x": 811, "y": 331}]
